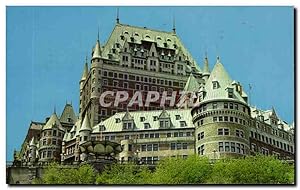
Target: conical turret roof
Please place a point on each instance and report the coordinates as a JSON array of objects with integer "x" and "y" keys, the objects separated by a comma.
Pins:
[
  {"x": 97, "y": 50},
  {"x": 68, "y": 115},
  {"x": 86, "y": 125},
  {"x": 53, "y": 122},
  {"x": 192, "y": 84},
  {"x": 219, "y": 75},
  {"x": 85, "y": 71}
]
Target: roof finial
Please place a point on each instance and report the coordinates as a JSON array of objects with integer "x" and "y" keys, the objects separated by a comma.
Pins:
[
  {"x": 118, "y": 20},
  {"x": 54, "y": 111},
  {"x": 98, "y": 34},
  {"x": 205, "y": 54},
  {"x": 174, "y": 27}
]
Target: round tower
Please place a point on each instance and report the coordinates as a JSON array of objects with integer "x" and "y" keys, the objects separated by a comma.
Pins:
[
  {"x": 221, "y": 118},
  {"x": 51, "y": 140}
]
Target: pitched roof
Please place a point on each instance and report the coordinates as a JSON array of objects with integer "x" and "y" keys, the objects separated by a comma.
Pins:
[
  {"x": 53, "y": 122},
  {"x": 127, "y": 116},
  {"x": 219, "y": 75},
  {"x": 67, "y": 114},
  {"x": 140, "y": 34},
  {"x": 192, "y": 84},
  {"x": 112, "y": 125}
]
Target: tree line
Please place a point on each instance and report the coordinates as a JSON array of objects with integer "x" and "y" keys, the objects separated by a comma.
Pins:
[{"x": 193, "y": 170}]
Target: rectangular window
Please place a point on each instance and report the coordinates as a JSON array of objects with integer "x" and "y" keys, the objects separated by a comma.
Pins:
[
  {"x": 201, "y": 150},
  {"x": 184, "y": 145},
  {"x": 221, "y": 147},
  {"x": 169, "y": 135},
  {"x": 231, "y": 106},
  {"x": 232, "y": 147},
  {"x": 238, "y": 147},
  {"x": 173, "y": 146},
  {"x": 225, "y": 118},
  {"x": 155, "y": 147},
  {"x": 226, "y": 105},
  {"x": 226, "y": 131},
  {"x": 149, "y": 147},
  {"x": 220, "y": 131},
  {"x": 179, "y": 146},
  {"x": 227, "y": 148},
  {"x": 220, "y": 118},
  {"x": 215, "y": 106},
  {"x": 176, "y": 134},
  {"x": 143, "y": 147},
  {"x": 215, "y": 119}
]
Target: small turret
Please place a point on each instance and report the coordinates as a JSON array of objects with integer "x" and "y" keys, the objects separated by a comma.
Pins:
[
  {"x": 97, "y": 50},
  {"x": 85, "y": 129}
]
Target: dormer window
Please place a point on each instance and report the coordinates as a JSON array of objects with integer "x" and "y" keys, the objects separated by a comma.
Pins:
[
  {"x": 215, "y": 84},
  {"x": 155, "y": 118},
  {"x": 118, "y": 120},
  {"x": 102, "y": 128},
  {"x": 230, "y": 92},
  {"x": 147, "y": 126},
  {"x": 142, "y": 119},
  {"x": 182, "y": 124},
  {"x": 127, "y": 126},
  {"x": 178, "y": 117}
]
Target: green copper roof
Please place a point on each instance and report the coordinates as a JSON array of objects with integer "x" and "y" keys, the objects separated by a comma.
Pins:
[
  {"x": 97, "y": 50},
  {"x": 67, "y": 114},
  {"x": 192, "y": 84},
  {"x": 221, "y": 77},
  {"x": 85, "y": 71},
  {"x": 86, "y": 125},
  {"x": 140, "y": 34},
  {"x": 53, "y": 122},
  {"x": 112, "y": 125}
]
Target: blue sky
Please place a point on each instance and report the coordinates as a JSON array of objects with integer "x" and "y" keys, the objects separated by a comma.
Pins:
[{"x": 46, "y": 49}]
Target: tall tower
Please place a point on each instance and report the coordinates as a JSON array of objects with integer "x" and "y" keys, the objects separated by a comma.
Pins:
[{"x": 221, "y": 118}]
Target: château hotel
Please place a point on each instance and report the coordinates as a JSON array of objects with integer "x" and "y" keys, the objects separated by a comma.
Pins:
[{"x": 220, "y": 123}]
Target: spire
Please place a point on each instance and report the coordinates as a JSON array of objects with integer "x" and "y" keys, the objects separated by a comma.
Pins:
[
  {"x": 97, "y": 48},
  {"x": 191, "y": 85},
  {"x": 86, "y": 125},
  {"x": 118, "y": 20},
  {"x": 174, "y": 28},
  {"x": 98, "y": 34},
  {"x": 206, "y": 66},
  {"x": 85, "y": 70}
]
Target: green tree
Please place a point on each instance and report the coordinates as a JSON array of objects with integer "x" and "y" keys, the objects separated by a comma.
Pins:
[
  {"x": 55, "y": 174},
  {"x": 124, "y": 174},
  {"x": 252, "y": 170},
  {"x": 193, "y": 170}
]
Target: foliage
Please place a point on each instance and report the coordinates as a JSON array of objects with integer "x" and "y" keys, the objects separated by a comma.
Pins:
[
  {"x": 54, "y": 174},
  {"x": 124, "y": 174},
  {"x": 252, "y": 170},
  {"x": 193, "y": 170}
]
